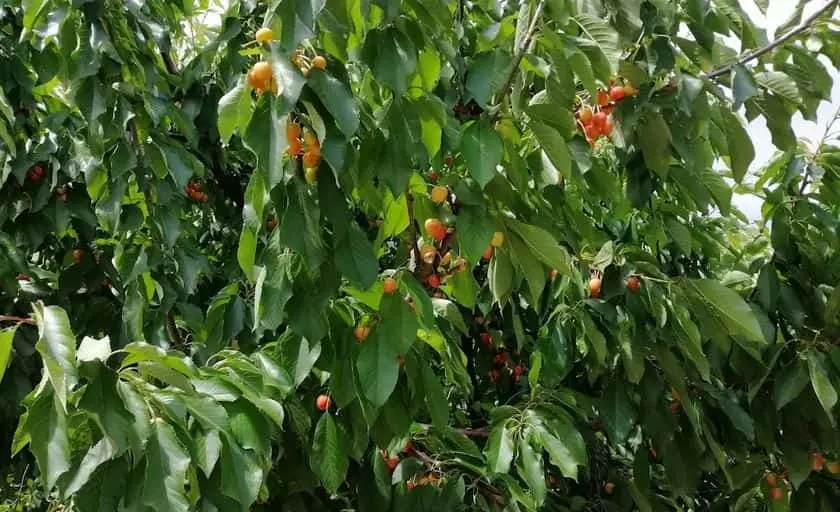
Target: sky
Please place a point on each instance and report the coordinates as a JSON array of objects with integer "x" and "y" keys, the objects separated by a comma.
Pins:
[{"x": 778, "y": 12}]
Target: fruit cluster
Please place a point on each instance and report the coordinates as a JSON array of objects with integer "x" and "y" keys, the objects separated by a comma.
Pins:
[
  {"x": 304, "y": 63},
  {"x": 596, "y": 121},
  {"x": 304, "y": 142},
  {"x": 194, "y": 191},
  {"x": 35, "y": 174}
]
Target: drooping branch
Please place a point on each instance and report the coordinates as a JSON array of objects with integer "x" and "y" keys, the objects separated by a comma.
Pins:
[
  {"x": 758, "y": 52},
  {"x": 519, "y": 53},
  {"x": 17, "y": 319}
]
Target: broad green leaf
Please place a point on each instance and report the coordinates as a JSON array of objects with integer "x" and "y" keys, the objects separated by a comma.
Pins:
[
  {"x": 486, "y": 74},
  {"x": 679, "y": 234},
  {"x": 435, "y": 398},
  {"x": 298, "y": 19},
  {"x": 500, "y": 275},
  {"x": 618, "y": 413},
  {"x": 399, "y": 322},
  {"x": 475, "y": 230},
  {"x": 654, "y": 137},
  {"x": 530, "y": 468},
  {"x": 565, "y": 446},
  {"x": 601, "y": 33},
  {"x": 499, "y": 450},
  {"x": 483, "y": 150},
  {"x": 542, "y": 244},
  {"x": 790, "y": 382},
  {"x": 329, "y": 459},
  {"x": 780, "y": 84},
  {"x": 337, "y": 98},
  {"x": 741, "y": 151},
  {"x": 241, "y": 474},
  {"x": 265, "y": 136},
  {"x": 378, "y": 367},
  {"x": 728, "y": 307},
  {"x": 166, "y": 471},
  {"x": 596, "y": 339},
  {"x": 46, "y": 426},
  {"x": 392, "y": 57},
  {"x": 57, "y": 346},
  {"x": 7, "y": 336},
  {"x": 355, "y": 258},
  {"x": 821, "y": 382},
  {"x": 744, "y": 85},
  {"x": 554, "y": 145},
  {"x": 688, "y": 340},
  {"x": 96, "y": 455},
  {"x": 234, "y": 110}
]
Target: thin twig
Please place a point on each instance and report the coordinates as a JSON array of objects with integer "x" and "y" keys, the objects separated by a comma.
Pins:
[
  {"x": 17, "y": 319},
  {"x": 805, "y": 25},
  {"x": 412, "y": 227},
  {"x": 172, "y": 330},
  {"x": 520, "y": 52},
  {"x": 474, "y": 432}
]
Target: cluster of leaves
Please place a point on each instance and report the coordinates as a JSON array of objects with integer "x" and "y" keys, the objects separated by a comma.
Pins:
[{"x": 150, "y": 208}]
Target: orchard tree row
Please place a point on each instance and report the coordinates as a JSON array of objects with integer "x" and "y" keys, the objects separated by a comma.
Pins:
[{"x": 416, "y": 255}]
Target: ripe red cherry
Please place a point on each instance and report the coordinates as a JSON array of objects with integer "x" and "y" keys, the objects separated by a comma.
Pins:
[
  {"x": 447, "y": 160},
  {"x": 617, "y": 93},
  {"x": 433, "y": 176},
  {"x": 609, "y": 488},
  {"x": 433, "y": 281},
  {"x": 361, "y": 333},
  {"x": 776, "y": 494},
  {"x": 607, "y": 129},
  {"x": 486, "y": 338},
  {"x": 585, "y": 115},
  {"x": 77, "y": 255},
  {"x": 322, "y": 403},
  {"x": 595, "y": 285},
  {"x": 817, "y": 461},
  {"x": 599, "y": 120},
  {"x": 493, "y": 375},
  {"x": 389, "y": 286},
  {"x": 488, "y": 253},
  {"x": 392, "y": 462},
  {"x": 633, "y": 284},
  {"x": 435, "y": 228},
  {"x": 603, "y": 98}
]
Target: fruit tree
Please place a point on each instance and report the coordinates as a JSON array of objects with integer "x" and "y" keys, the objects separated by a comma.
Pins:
[{"x": 416, "y": 255}]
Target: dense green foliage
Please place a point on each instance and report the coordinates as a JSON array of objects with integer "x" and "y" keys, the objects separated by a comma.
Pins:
[{"x": 177, "y": 287}]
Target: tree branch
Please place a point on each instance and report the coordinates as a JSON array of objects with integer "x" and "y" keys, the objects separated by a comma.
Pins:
[
  {"x": 519, "y": 53},
  {"x": 412, "y": 229},
  {"x": 18, "y": 319},
  {"x": 805, "y": 25}
]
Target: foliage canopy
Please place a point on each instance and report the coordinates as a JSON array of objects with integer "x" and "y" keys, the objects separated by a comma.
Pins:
[{"x": 498, "y": 236}]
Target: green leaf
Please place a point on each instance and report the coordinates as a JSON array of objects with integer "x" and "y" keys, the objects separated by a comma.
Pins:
[
  {"x": 329, "y": 459},
  {"x": 57, "y": 346},
  {"x": 354, "y": 257},
  {"x": 7, "y": 336},
  {"x": 780, "y": 84},
  {"x": 744, "y": 85},
  {"x": 499, "y": 450},
  {"x": 392, "y": 57},
  {"x": 688, "y": 340},
  {"x": 288, "y": 78},
  {"x": 300, "y": 224},
  {"x": 728, "y": 307},
  {"x": 274, "y": 287},
  {"x": 242, "y": 476},
  {"x": 234, "y": 110},
  {"x": 475, "y": 230},
  {"x": 789, "y": 383},
  {"x": 298, "y": 19},
  {"x": 530, "y": 468},
  {"x": 486, "y": 74},
  {"x": 265, "y": 136},
  {"x": 166, "y": 471},
  {"x": 378, "y": 367},
  {"x": 600, "y": 32},
  {"x": 741, "y": 151},
  {"x": 542, "y": 244},
  {"x": 500, "y": 276},
  {"x": 565, "y": 446},
  {"x": 337, "y": 98},
  {"x": 596, "y": 339},
  {"x": 483, "y": 150},
  {"x": 435, "y": 398},
  {"x": 96, "y": 455},
  {"x": 617, "y": 412},
  {"x": 654, "y": 137},
  {"x": 46, "y": 426},
  {"x": 554, "y": 145},
  {"x": 821, "y": 382},
  {"x": 680, "y": 235},
  {"x": 399, "y": 322}
]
